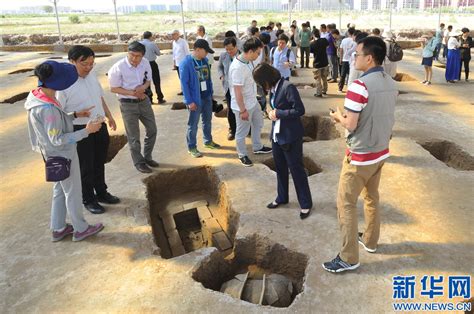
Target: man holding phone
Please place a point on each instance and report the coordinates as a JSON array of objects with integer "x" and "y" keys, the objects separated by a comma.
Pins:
[{"x": 368, "y": 117}]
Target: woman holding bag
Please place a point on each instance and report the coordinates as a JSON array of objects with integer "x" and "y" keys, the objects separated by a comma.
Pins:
[
  {"x": 51, "y": 133},
  {"x": 286, "y": 136}
]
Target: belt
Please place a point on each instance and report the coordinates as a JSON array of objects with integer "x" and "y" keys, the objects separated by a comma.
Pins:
[{"x": 131, "y": 100}]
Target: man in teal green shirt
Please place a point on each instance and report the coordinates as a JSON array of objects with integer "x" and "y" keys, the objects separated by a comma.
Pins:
[{"x": 305, "y": 38}]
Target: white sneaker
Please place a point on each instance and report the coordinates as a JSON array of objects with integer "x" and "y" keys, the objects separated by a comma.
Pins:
[{"x": 362, "y": 243}]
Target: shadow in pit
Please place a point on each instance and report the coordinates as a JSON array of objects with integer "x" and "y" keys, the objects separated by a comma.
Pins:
[
  {"x": 318, "y": 128},
  {"x": 117, "y": 142},
  {"x": 259, "y": 271},
  {"x": 13, "y": 99},
  {"x": 190, "y": 209},
  {"x": 310, "y": 166},
  {"x": 21, "y": 71},
  {"x": 449, "y": 153}
]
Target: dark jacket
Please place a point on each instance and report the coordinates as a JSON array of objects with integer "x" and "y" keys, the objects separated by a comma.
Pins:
[
  {"x": 289, "y": 109},
  {"x": 466, "y": 51},
  {"x": 318, "y": 48}
]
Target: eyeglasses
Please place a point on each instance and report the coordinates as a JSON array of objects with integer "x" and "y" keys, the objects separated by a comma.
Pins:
[
  {"x": 358, "y": 55},
  {"x": 87, "y": 65}
]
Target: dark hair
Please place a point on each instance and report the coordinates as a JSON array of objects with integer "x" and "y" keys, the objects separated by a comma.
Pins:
[
  {"x": 229, "y": 34},
  {"x": 441, "y": 25},
  {"x": 252, "y": 44},
  {"x": 254, "y": 21},
  {"x": 292, "y": 26},
  {"x": 335, "y": 31},
  {"x": 283, "y": 37},
  {"x": 349, "y": 25},
  {"x": 269, "y": 28},
  {"x": 266, "y": 76},
  {"x": 316, "y": 33},
  {"x": 450, "y": 26},
  {"x": 374, "y": 46},
  {"x": 329, "y": 27},
  {"x": 230, "y": 41},
  {"x": 278, "y": 24},
  {"x": 135, "y": 46},
  {"x": 360, "y": 36},
  {"x": 253, "y": 30},
  {"x": 304, "y": 25},
  {"x": 263, "y": 28},
  {"x": 265, "y": 38},
  {"x": 376, "y": 31},
  {"x": 202, "y": 28},
  {"x": 308, "y": 23},
  {"x": 465, "y": 30},
  {"x": 80, "y": 53},
  {"x": 323, "y": 26},
  {"x": 351, "y": 31},
  {"x": 271, "y": 23},
  {"x": 43, "y": 71},
  {"x": 147, "y": 35},
  {"x": 280, "y": 32}
]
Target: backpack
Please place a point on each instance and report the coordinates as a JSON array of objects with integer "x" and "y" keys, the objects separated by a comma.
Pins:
[
  {"x": 272, "y": 52},
  {"x": 395, "y": 52}
]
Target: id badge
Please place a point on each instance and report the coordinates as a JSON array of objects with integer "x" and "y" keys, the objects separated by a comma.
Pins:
[{"x": 203, "y": 86}]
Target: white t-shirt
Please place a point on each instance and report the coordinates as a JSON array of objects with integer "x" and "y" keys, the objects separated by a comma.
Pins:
[
  {"x": 445, "y": 37},
  {"x": 348, "y": 46},
  {"x": 240, "y": 74},
  {"x": 84, "y": 93}
]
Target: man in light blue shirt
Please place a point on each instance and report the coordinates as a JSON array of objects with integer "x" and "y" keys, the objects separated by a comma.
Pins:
[
  {"x": 282, "y": 57},
  {"x": 152, "y": 51}
]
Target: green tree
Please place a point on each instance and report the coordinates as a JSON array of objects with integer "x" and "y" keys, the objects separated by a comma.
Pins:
[
  {"x": 47, "y": 8},
  {"x": 74, "y": 19}
]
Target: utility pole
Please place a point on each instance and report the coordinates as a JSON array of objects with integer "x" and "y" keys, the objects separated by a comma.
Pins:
[
  {"x": 237, "y": 18},
  {"x": 55, "y": 2},
  {"x": 340, "y": 15},
  {"x": 391, "y": 8},
  {"x": 289, "y": 13},
  {"x": 439, "y": 12},
  {"x": 182, "y": 18},
  {"x": 116, "y": 20}
]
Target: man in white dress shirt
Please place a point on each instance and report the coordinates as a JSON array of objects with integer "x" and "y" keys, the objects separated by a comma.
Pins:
[
  {"x": 87, "y": 92},
  {"x": 180, "y": 51},
  {"x": 129, "y": 78},
  {"x": 152, "y": 51}
]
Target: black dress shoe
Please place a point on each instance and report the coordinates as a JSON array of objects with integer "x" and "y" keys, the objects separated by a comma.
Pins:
[
  {"x": 305, "y": 215},
  {"x": 94, "y": 208},
  {"x": 180, "y": 94},
  {"x": 161, "y": 101},
  {"x": 231, "y": 136},
  {"x": 143, "y": 168},
  {"x": 108, "y": 198},
  {"x": 274, "y": 204},
  {"x": 152, "y": 163}
]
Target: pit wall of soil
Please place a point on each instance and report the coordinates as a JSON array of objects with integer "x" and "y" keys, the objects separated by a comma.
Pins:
[{"x": 165, "y": 187}]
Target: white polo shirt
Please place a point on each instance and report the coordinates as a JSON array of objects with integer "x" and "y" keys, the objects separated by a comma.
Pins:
[
  {"x": 240, "y": 74},
  {"x": 123, "y": 74},
  {"x": 180, "y": 50},
  {"x": 84, "y": 93}
]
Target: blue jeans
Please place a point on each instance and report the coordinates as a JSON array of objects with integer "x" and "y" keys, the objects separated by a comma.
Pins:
[{"x": 205, "y": 109}]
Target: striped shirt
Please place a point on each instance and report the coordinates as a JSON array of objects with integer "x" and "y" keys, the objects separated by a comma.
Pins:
[{"x": 357, "y": 97}]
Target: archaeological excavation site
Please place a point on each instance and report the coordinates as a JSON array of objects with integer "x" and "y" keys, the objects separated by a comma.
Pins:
[{"x": 196, "y": 236}]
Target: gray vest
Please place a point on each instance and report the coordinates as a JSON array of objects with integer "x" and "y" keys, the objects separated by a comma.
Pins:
[{"x": 376, "y": 120}]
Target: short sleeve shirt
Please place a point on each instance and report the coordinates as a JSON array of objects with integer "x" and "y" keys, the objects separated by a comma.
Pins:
[
  {"x": 123, "y": 74},
  {"x": 84, "y": 93},
  {"x": 348, "y": 46},
  {"x": 240, "y": 74}
]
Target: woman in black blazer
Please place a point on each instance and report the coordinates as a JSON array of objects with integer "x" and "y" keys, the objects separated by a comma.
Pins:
[{"x": 286, "y": 136}]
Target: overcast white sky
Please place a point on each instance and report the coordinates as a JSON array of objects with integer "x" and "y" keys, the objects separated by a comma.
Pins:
[{"x": 80, "y": 4}]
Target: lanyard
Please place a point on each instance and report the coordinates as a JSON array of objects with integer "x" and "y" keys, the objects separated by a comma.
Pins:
[{"x": 201, "y": 74}]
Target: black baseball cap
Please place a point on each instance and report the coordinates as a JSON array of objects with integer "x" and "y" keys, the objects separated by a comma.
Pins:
[{"x": 202, "y": 43}]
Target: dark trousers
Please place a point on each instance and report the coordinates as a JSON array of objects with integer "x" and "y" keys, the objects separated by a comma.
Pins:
[
  {"x": 334, "y": 66},
  {"x": 155, "y": 74},
  {"x": 445, "y": 51},
  {"x": 344, "y": 73},
  {"x": 230, "y": 114},
  {"x": 92, "y": 152},
  {"x": 290, "y": 156},
  {"x": 466, "y": 69},
  {"x": 437, "y": 50},
  {"x": 304, "y": 52}
]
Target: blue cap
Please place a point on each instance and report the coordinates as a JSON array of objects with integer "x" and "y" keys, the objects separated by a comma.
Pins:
[{"x": 64, "y": 75}]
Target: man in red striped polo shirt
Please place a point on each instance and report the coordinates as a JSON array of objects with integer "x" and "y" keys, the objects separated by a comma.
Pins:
[{"x": 368, "y": 117}]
